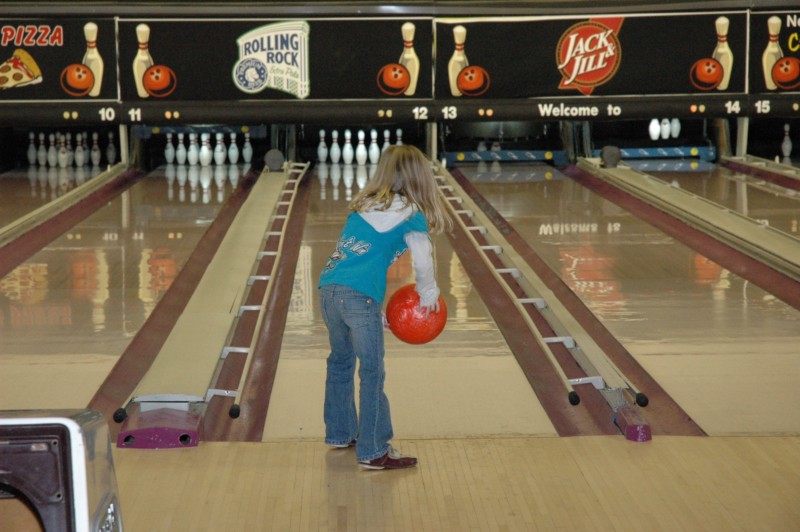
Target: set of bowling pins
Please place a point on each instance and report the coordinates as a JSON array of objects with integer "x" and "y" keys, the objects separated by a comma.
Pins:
[
  {"x": 202, "y": 153},
  {"x": 60, "y": 151},
  {"x": 664, "y": 129},
  {"x": 361, "y": 152}
]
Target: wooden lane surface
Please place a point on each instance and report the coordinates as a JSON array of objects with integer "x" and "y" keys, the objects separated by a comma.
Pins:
[
  {"x": 69, "y": 311},
  {"x": 723, "y": 348},
  {"x": 516, "y": 484}
]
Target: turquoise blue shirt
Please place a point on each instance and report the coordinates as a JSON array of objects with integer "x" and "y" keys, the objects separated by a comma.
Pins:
[{"x": 363, "y": 255}]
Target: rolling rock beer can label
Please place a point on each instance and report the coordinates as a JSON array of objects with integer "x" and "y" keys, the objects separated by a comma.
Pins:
[
  {"x": 274, "y": 56},
  {"x": 589, "y": 54}
]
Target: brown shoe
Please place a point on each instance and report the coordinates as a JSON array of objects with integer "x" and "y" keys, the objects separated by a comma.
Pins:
[{"x": 391, "y": 460}]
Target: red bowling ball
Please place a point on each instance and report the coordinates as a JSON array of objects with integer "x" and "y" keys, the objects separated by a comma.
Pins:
[{"x": 408, "y": 322}]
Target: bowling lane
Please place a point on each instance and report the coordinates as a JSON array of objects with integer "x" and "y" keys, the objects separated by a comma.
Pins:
[
  {"x": 465, "y": 383},
  {"x": 723, "y": 348},
  {"x": 770, "y": 204},
  {"x": 69, "y": 312},
  {"x": 23, "y": 190}
]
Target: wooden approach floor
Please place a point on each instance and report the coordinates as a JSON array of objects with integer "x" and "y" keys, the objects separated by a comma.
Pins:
[{"x": 581, "y": 483}]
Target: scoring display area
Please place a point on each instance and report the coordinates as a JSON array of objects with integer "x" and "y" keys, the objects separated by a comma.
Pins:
[{"x": 391, "y": 69}]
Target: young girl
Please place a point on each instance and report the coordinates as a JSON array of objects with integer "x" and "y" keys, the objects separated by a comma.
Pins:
[{"x": 393, "y": 212}]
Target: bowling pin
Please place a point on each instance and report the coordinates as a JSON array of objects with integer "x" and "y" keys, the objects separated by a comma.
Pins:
[
  {"x": 169, "y": 150},
  {"x": 70, "y": 151},
  {"x": 409, "y": 57},
  {"x": 180, "y": 151},
  {"x": 94, "y": 155},
  {"x": 335, "y": 150},
  {"x": 92, "y": 57},
  {"x": 233, "y": 150},
  {"x": 399, "y": 134},
  {"x": 665, "y": 128},
  {"x": 219, "y": 149},
  {"x": 143, "y": 60},
  {"x": 773, "y": 51},
  {"x": 31, "y": 148},
  {"x": 675, "y": 128},
  {"x": 193, "y": 153},
  {"x": 786, "y": 145},
  {"x": 80, "y": 154},
  {"x": 654, "y": 129},
  {"x": 374, "y": 151},
  {"x": 111, "y": 149},
  {"x": 386, "y": 141},
  {"x": 347, "y": 151},
  {"x": 247, "y": 149},
  {"x": 205, "y": 149},
  {"x": 322, "y": 148},
  {"x": 41, "y": 153},
  {"x": 722, "y": 52},
  {"x": 458, "y": 60},
  {"x": 361, "y": 149},
  {"x": 62, "y": 157},
  {"x": 52, "y": 153}
]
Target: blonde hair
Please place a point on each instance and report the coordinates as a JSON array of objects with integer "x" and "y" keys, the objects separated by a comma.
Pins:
[{"x": 406, "y": 171}]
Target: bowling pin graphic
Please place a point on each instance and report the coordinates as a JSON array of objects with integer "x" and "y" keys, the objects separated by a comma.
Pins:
[
  {"x": 665, "y": 127},
  {"x": 773, "y": 51},
  {"x": 361, "y": 149},
  {"x": 322, "y": 148},
  {"x": 92, "y": 58},
  {"x": 347, "y": 151},
  {"x": 409, "y": 57},
  {"x": 31, "y": 148},
  {"x": 654, "y": 129},
  {"x": 335, "y": 150},
  {"x": 722, "y": 52},
  {"x": 233, "y": 150},
  {"x": 374, "y": 151},
  {"x": 458, "y": 60},
  {"x": 180, "y": 151},
  {"x": 219, "y": 149},
  {"x": 169, "y": 150},
  {"x": 143, "y": 60}
]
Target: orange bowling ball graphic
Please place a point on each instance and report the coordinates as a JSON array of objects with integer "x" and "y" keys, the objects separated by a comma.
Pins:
[
  {"x": 159, "y": 81},
  {"x": 77, "y": 80},
  {"x": 786, "y": 73},
  {"x": 393, "y": 79},
  {"x": 473, "y": 80},
  {"x": 706, "y": 74}
]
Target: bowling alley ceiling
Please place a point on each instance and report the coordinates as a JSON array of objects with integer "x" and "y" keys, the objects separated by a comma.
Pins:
[{"x": 361, "y": 7}]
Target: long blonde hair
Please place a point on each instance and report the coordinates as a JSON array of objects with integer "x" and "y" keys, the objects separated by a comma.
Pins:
[{"x": 406, "y": 171}]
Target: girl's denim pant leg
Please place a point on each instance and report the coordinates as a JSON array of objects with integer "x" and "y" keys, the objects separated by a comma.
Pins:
[{"x": 355, "y": 331}]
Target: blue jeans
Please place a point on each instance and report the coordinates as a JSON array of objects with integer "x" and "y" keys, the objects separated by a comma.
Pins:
[{"x": 355, "y": 331}]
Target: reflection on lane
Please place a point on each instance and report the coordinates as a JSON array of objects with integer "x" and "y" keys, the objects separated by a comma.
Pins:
[{"x": 91, "y": 289}]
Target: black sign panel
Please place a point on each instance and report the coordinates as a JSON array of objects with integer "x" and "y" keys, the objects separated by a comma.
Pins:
[
  {"x": 604, "y": 56},
  {"x": 229, "y": 60},
  {"x": 57, "y": 59}
]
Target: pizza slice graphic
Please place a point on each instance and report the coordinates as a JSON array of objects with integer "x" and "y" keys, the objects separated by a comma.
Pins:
[{"x": 19, "y": 70}]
